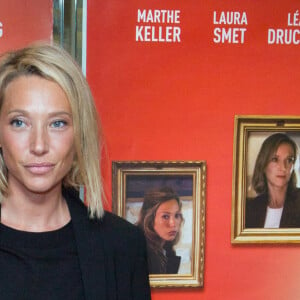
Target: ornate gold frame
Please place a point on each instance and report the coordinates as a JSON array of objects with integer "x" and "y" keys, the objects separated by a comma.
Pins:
[
  {"x": 124, "y": 171},
  {"x": 244, "y": 127}
]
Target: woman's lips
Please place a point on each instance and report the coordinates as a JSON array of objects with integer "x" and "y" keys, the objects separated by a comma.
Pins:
[
  {"x": 172, "y": 233},
  {"x": 39, "y": 168},
  {"x": 281, "y": 176}
]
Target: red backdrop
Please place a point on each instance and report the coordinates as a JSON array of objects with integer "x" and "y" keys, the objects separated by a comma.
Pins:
[
  {"x": 24, "y": 21},
  {"x": 177, "y": 101}
]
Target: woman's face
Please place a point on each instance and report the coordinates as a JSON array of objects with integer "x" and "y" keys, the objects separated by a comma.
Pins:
[
  {"x": 36, "y": 137},
  {"x": 280, "y": 166},
  {"x": 167, "y": 220}
]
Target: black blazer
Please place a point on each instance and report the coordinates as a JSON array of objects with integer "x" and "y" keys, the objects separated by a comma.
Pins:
[
  {"x": 256, "y": 210},
  {"x": 112, "y": 255},
  {"x": 155, "y": 266}
]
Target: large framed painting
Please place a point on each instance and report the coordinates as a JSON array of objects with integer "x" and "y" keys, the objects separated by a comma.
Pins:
[
  {"x": 266, "y": 182},
  {"x": 166, "y": 199}
]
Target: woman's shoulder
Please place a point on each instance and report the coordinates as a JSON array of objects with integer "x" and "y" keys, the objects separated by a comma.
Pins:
[
  {"x": 294, "y": 195},
  {"x": 121, "y": 235},
  {"x": 296, "y": 192},
  {"x": 255, "y": 211},
  {"x": 259, "y": 200},
  {"x": 115, "y": 229},
  {"x": 112, "y": 222},
  {"x": 117, "y": 232}
]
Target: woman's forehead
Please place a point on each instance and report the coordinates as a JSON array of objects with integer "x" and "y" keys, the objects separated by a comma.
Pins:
[
  {"x": 284, "y": 147},
  {"x": 169, "y": 205}
]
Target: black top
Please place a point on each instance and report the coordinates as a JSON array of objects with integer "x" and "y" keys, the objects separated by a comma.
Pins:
[
  {"x": 112, "y": 254},
  {"x": 170, "y": 264},
  {"x": 256, "y": 210},
  {"x": 39, "y": 265}
]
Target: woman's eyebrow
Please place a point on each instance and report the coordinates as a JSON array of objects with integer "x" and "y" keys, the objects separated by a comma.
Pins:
[
  {"x": 54, "y": 113},
  {"x": 59, "y": 113},
  {"x": 19, "y": 111}
]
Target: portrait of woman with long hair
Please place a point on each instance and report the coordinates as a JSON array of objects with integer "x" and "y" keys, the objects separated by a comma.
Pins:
[
  {"x": 161, "y": 219},
  {"x": 277, "y": 201}
]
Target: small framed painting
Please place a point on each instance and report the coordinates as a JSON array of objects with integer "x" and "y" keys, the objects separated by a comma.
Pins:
[{"x": 166, "y": 199}]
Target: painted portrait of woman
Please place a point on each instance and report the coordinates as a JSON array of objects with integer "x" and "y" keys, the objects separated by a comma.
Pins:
[
  {"x": 161, "y": 219},
  {"x": 277, "y": 200}
]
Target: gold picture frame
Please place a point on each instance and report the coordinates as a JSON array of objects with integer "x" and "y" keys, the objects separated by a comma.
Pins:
[
  {"x": 249, "y": 134},
  {"x": 131, "y": 179}
]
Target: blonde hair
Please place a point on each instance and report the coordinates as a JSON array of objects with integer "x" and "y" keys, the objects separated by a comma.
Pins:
[{"x": 53, "y": 63}]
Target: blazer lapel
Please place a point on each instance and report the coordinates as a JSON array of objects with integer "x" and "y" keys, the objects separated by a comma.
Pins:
[{"x": 89, "y": 240}]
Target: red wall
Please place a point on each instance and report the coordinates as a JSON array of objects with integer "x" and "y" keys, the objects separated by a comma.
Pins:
[
  {"x": 24, "y": 21},
  {"x": 177, "y": 101}
]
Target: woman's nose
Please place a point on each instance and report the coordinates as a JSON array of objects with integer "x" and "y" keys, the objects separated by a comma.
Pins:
[
  {"x": 283, "y": 164},
  {"x": 39, "y": 140},
  {"x": 172, "y": 222}
]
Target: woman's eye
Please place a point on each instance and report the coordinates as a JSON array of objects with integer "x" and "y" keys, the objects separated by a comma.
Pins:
[
  {"x": 17, "y": 123},
  {"x": 178, "y": 216},
  {"x": 274, "y": 159},
  {"x": 58, "y": 124},
  {"x": 165, "y": 217},
  {"x": 290, "y": 160}
]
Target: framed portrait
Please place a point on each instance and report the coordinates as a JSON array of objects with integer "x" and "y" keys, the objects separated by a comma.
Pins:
[
  {"x": 266, "y": 183},
  {"x": 166, "y": 199}
]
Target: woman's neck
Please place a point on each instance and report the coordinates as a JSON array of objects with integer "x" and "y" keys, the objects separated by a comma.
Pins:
[
  {"x": 35, "y": 212},
  {"x": 276, "y": 197}
]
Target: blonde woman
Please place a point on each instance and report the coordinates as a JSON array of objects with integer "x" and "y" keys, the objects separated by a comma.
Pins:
[{"x": 52, "y": 246}]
